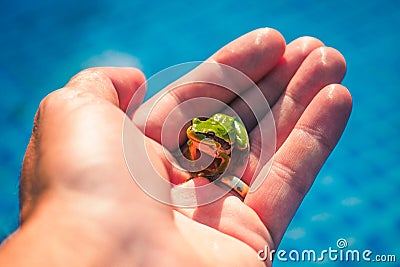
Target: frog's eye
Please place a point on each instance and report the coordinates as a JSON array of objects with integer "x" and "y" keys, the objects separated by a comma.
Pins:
[{"x": 210, "y": 134}]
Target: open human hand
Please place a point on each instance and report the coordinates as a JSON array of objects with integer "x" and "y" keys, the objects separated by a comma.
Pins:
[
  {"x": 301, "y": 83},
  {"x": 80, "y": 205}
]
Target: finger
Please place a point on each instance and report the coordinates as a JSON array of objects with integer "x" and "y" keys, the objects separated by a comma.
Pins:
[
  {"x": 323, "y": 66},
  {"x": 275, "y": 82},
  {"x": 116, "y": 85},
  {"x": 300, "y": 158},
  {"x": 253, "y": 54},
  {"x": 94, "y": 87}
]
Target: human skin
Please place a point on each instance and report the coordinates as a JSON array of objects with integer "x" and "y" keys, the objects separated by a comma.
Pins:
[{"x": 81, "y": 207}]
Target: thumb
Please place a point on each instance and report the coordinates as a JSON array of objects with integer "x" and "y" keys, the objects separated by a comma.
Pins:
[{"x": 70, "y": 121}]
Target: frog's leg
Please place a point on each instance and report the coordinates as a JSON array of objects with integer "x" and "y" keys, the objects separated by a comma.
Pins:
[
  {"x": 191, "y": 153},
  {"x": 192, "y": 150},
  {"x": 224, "y": 162}
]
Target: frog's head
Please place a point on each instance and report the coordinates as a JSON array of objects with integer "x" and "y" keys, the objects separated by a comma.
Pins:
[{"x": 211, "y": 129}]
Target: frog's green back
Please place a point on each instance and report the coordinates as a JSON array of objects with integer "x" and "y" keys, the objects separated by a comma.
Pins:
[
  {"x": 242, "y": 138},
  {"x": 225, "y": 120},
  {"x": 224, "y": 126}
]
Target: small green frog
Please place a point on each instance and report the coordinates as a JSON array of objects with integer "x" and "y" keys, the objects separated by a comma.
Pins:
[{"x": 217, "y": 136}]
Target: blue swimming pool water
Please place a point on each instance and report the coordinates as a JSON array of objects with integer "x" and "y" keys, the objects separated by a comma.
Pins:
[{"x": 357, "y": 194}]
